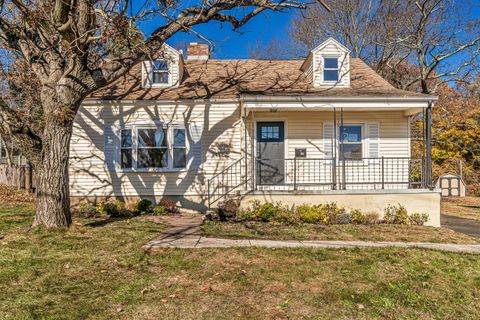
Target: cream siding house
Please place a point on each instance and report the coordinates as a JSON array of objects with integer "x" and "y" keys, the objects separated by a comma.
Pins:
[{"x": 326, "y": 128}]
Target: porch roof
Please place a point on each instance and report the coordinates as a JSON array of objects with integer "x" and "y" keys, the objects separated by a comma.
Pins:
[{"x": 410, "y": 105}]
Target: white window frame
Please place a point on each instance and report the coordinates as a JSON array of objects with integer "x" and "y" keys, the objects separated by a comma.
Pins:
[
  {"x": 363, "y": 140},
  {"x": 167, "y": 72},
  {"x": 170, "y": 146},
  {"x": 331, "y": 69}
]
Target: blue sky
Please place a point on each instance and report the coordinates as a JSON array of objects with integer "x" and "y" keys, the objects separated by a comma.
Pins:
[{"x": 236, "y": 44}]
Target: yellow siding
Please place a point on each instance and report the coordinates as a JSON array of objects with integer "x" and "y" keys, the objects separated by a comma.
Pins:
[
  {"x": 222, "y": 143},
  {"x": 304, "y": 129},
  {"x": 89, "y": 176}
]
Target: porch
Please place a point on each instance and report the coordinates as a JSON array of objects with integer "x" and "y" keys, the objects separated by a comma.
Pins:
[{"x": 296, "y": 149}]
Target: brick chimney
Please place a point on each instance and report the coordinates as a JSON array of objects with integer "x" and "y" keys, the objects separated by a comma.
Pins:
[{"x": 198, "y": 51}]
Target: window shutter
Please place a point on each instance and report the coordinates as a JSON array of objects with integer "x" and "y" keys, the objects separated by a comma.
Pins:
[
  {"x": 195, "y": 144},
  {"x": 328, "y": 140},
  {"x": 147, "y": 74},
  {"x": 111, "y": 147},
  {"x": 373, "y": 140}
]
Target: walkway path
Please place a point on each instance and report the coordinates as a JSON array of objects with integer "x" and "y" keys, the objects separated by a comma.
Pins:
[{"x": 184, "y": 232}]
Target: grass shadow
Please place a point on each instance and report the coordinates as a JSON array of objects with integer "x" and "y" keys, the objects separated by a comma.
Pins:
[{"x": 104, "y": 222}]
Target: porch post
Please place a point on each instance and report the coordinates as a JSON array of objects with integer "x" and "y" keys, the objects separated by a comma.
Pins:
[
  {"x": 245, "y": 146},
  {"x": 428, "y": 147},
  {"x": 334, "y": 151}
]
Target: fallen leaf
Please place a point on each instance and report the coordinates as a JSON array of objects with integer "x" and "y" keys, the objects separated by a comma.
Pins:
[{"x": 360, "y": 306}]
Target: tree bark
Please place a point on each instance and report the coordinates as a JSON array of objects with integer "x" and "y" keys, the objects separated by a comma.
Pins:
[{"x": 53, "y": 194}]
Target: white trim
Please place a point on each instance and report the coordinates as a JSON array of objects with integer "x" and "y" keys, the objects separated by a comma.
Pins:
[
  {"x": 170, "y": 126},
  {"x": 329, "y": 41}
]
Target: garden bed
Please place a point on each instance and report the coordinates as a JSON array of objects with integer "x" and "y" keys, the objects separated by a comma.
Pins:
[{"x": 378, "y": 232}]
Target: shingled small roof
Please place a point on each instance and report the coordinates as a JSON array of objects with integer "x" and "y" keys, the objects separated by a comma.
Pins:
[{"x": 229, "y": 79}]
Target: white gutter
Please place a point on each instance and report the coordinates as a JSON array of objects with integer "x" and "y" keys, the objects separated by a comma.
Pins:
[{"x": 387, "y": 99}]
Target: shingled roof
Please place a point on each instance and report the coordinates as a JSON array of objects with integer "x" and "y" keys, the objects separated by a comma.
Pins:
[{"x": 222, "y": 79}]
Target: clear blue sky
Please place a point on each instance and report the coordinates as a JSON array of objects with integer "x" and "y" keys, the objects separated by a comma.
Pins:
[{"x": 235, "y": 44}]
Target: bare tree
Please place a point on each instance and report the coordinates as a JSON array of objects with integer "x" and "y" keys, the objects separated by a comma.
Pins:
[
  {"x": 416, "y": 44},
  {"x": 74, "y": 47}
]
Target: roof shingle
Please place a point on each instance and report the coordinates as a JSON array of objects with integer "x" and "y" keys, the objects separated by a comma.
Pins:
[{"x": 209, "y": 79}]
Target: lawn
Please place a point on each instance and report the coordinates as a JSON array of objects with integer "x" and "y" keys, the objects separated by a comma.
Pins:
[
  {"x": 381, "y": 232},
  {"x": 468, "y": 207},
  {"x": 98, "y": 270}
]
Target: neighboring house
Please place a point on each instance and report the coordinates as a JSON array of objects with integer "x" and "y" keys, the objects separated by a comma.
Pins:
[{"x": 321, "y": 129}]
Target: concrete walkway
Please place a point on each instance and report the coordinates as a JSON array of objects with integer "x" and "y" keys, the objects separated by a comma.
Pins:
[
  {"x": 198, "y": 242},
  {"x": 184, "y": 232}
]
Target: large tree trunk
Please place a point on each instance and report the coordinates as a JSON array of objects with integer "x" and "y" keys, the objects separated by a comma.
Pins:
[{"x": 53, "y": 194}]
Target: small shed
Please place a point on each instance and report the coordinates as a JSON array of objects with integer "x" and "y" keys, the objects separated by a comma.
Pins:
[{"x": 452, "y": 185}]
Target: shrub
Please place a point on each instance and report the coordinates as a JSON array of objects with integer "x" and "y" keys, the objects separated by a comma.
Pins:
[
  {"x": 357, "y": 216},
  {"x": 113, "y": 209},
  {"x": 311, "y": 214},
  {"x": 396, "y": 214},
  {"x": 418, "y": 219},
  {"x": 85, "y": 209},
  {"x": 143, "y": 206},
  {"x": 371, "y": 218},
  {"x": 160, "y": 211},
  {"x": 228, "y": 209},
  {"x": 333, "y": 212},
  {"x": 169, "y": 205},
  {"x": 345, "y": 218},
  {"x": 265, "y": 212}
]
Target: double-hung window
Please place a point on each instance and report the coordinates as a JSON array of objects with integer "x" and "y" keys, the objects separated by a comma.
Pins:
[
  {"x": 351, "y": 146},
  {"x": 148, "y": 147},
  {"x": 160, "y": 72},
  {"x": 330, "y": 69}
]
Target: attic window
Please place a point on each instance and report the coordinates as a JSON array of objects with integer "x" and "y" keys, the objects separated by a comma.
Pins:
[
  {"x": 330, "y": 70},
  {"x": 160, "y": 72}
]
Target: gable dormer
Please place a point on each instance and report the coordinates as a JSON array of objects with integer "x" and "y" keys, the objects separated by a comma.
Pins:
[
  {"x": 328, "y": 65},
  {"x": 164, "y": 70}
]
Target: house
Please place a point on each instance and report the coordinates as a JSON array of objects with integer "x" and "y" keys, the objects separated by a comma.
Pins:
[{"x": 199, "y": 130}]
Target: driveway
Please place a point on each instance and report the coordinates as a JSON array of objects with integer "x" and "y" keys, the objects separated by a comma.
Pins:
[{"x": 466, "y": 226}]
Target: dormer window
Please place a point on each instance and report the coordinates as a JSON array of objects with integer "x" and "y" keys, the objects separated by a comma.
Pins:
[
  {"x": 330, "y": 69},
  {"x": 160, "y": 72}
]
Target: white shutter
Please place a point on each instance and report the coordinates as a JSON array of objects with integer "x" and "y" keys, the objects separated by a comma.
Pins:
[
  {"x": 373, "y": 139},
  {"x": 111, "y": 147},
  {"x": 328, "y": 140},
  {"x": 195, "y": 132},
  {"x": 147, "y": 76}
]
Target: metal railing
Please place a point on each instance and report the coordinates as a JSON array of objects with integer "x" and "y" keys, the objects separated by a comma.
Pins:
[
  {"x": 224, "y": 183},
  {"x": 318, "y": 174},
  {"x": 341, "y": 174}
]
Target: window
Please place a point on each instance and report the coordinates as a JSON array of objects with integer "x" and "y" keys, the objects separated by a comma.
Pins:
[
  {"x": 351, "y": 142},
  {"x": 330, "y": 69},
  {"x": 126, "y": 148},
  {"x": 160, "y": 72},
  {"x": 153, "y": 147}
]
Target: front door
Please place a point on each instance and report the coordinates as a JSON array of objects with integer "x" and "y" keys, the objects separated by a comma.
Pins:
[{"x": 270, "y": 153}]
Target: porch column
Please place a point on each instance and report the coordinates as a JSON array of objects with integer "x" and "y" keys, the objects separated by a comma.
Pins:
[{"x": 428, "y": 146}]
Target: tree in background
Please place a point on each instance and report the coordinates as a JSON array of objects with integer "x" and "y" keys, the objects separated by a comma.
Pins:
[
  {"x": 70, "y": 48},
  {"x": 415, "y": 44},
  {"x": 428, "y": 46}
]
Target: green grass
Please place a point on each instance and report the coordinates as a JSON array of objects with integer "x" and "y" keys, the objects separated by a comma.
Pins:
[
  {"x": 100, "y": 271},
  {"x": 381, "y": 232}
]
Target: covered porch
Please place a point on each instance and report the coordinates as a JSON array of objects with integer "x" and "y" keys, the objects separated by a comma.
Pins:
[{"x": 300, "y": 145}]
